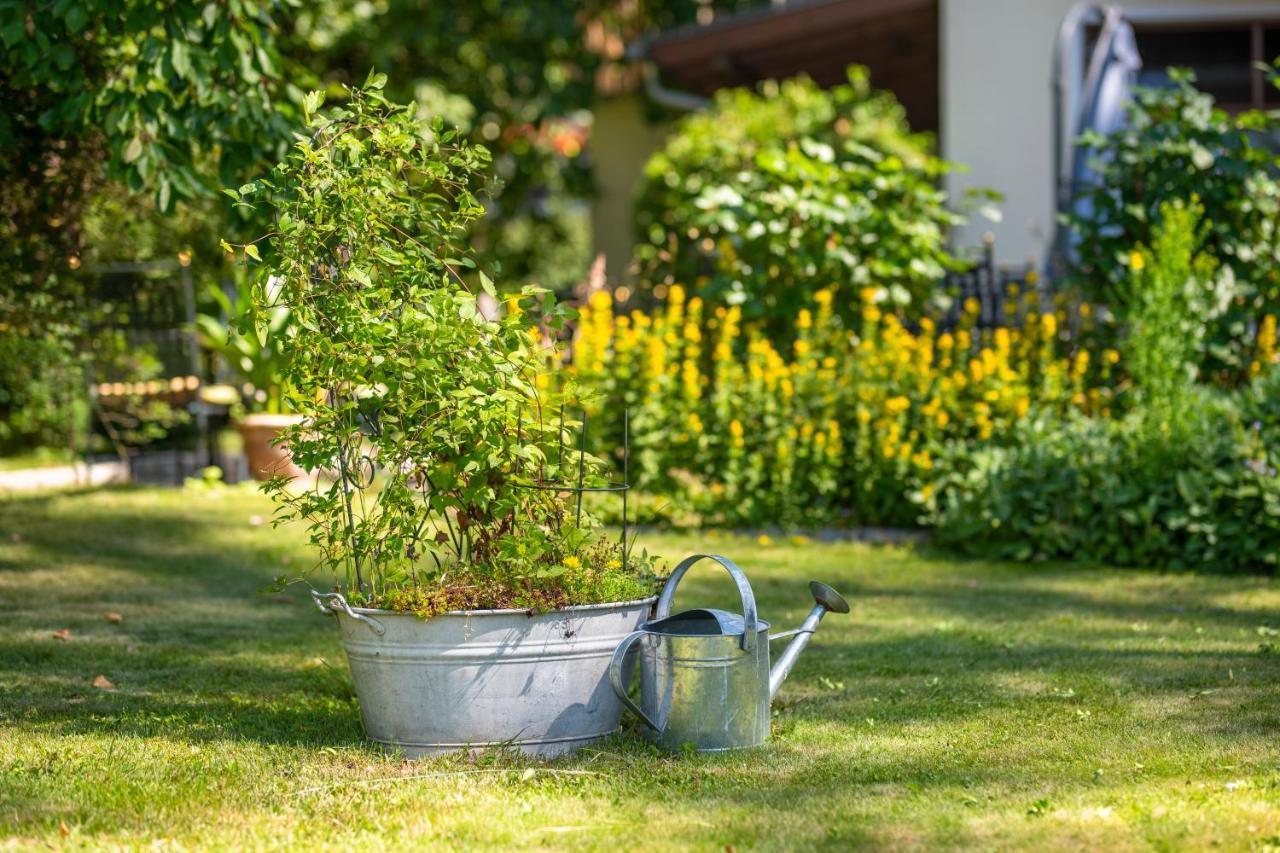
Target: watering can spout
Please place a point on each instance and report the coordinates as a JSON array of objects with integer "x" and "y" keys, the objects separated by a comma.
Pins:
[{"x": 825, "y": 599}]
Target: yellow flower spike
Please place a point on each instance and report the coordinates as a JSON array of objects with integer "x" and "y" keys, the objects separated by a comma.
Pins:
[
  {"x": 1136, "y": 262},
  {"x": 1264, "y": 348},
  {"x": 897, "y": 405},
  {"x": 1081, "y": 362}
]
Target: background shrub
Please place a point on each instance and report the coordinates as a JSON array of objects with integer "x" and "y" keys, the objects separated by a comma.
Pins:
[
  {"x": 1196, "y": 492},
  {"x": 1165, "y": 302},
  {"x": 1177, "y": 146},
  {"x": 769, "y": 196}
]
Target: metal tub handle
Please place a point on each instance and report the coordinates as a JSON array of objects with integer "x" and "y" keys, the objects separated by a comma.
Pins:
[
  {"x": 337, "y": 602},
  {"x": 750, "y": 628}
]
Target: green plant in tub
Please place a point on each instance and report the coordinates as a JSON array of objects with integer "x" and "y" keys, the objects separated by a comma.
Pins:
[{"x": 432, "y": 415}]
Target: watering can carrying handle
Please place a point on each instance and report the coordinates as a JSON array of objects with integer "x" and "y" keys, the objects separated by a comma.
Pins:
[
  {"x": 749, "y": 620},
  {"x": 619, "y": 686}
]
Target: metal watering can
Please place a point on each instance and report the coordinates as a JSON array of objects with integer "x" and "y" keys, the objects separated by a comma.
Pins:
[{"x": 704, "y": 674}]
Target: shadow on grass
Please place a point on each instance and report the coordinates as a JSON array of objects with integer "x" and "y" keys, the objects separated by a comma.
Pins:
[{"x": 200, "y": 653}]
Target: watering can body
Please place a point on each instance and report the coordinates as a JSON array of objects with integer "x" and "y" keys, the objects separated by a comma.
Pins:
[{"x": 705, "y": 678}]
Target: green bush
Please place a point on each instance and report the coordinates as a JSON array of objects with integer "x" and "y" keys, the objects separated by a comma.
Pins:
[
  {"x": 1165, "y": 303},
  {"x": 423, "y": 413},
  {"x": 1178, "y": 146},
  {"x": 1199, "y": 491},
  {"x": 769, "y": 196},
  {"x": 43, "y": 396}
]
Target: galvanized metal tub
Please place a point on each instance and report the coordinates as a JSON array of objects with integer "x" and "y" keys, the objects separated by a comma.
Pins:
[{"x": 477, "y": 679}]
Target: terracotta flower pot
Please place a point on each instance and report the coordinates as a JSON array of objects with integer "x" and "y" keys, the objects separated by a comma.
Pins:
[{"x": 266, "y": 459}]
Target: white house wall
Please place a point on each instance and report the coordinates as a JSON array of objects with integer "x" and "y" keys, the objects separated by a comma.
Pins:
[{"x": 996, "y": 67}]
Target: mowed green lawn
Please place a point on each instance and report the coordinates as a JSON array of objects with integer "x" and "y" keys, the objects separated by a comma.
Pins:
[{"x": 961, "y": 704}]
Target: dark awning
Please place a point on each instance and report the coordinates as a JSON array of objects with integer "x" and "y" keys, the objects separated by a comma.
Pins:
[{"x": 896, "y": 39}]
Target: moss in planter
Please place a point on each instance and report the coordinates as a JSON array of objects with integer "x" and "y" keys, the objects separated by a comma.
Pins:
[{"x": 476, "y": 590}]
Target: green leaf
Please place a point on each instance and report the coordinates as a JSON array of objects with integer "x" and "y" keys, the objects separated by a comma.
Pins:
[
  {"x": 251, "y": 251},
  {"x": 312, "y": 102},
  {"x": 162, "y": 194},
  {"x": 133, "y": 150},
  {"x": 180, "y": 58},
  {"x": 487, "y": 284},
  {"x": 76, "y": 18}
]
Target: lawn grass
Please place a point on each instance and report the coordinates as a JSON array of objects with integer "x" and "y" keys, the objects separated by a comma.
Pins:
[{"x": 961, "y": 704}]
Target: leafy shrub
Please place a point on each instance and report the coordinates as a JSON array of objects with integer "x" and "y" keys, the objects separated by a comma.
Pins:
[
  {"x": 1197, "y": 492},
  {"x": 768, "y": 197},
  {"x": 1178, "y": 146},
  {"x": 43, "y": 399},
  {"x": 1165, "y": 303},
  {"x": 425, "y": 411}
]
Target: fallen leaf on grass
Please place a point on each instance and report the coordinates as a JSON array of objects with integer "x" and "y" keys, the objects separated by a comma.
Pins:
[
  {"x": 64, "y": 634},
  {"x": 63, "y": 829},
  {"x": 102, "y": 683},
  {"x": 113, "y": 617}
]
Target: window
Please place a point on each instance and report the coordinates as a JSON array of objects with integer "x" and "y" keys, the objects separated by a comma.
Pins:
[{"x": 1222, "y": 54}]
